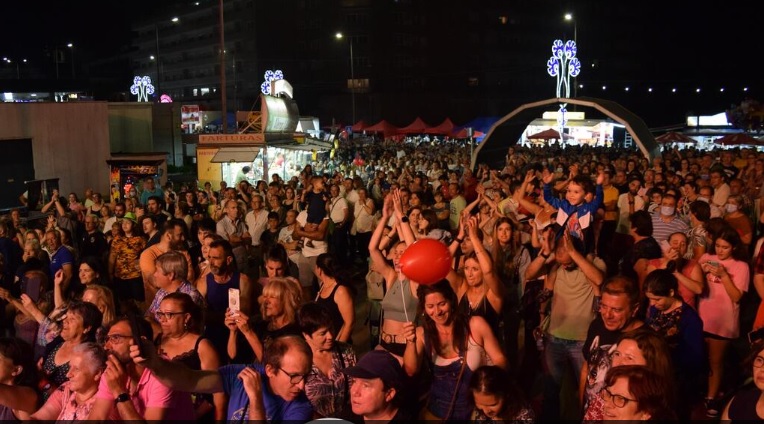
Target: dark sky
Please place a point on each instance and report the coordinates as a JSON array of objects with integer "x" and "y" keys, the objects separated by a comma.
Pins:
[{"x": 669, "y": 41}]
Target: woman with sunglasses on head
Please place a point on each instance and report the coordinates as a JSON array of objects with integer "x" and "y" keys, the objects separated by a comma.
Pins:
[
  {"x": 635, "y": 393},
  {"x": 180, "y": 340}
]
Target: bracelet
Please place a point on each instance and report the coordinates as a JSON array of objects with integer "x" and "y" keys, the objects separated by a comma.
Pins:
[
  {"x": 458, "y": 240},
  {"x": 544, "y": 256}
]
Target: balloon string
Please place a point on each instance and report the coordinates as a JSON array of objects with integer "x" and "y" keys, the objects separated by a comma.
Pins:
[{"x": 403, "y": 296}]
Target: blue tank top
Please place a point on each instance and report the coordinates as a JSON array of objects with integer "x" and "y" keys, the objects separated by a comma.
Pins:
[
  {"x": 217, "y": 294},
  {"x": 393, "y": 303}
]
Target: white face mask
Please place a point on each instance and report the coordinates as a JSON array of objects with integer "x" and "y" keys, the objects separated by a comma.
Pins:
[
  {"x": 731, "y": 208},
  {"x": 667, "y": 210}
]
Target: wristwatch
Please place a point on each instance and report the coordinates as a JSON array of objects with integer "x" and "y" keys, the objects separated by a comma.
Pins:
[
  {"x": 123, "y": 397},
  {"x": 405, "y": 219}
]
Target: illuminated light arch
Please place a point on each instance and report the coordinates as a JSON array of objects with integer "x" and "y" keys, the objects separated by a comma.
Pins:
[{"x": 507, "y": 131}]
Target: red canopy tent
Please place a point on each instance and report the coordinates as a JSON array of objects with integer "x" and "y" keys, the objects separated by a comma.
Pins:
[
  {"x": 462, "y": 133},
  {"x": 444, "y": 128},
  {"x": 548, "y": 135},
  {"x": 359, "y": 126},
  {"x": 739, "y": 139},
  {"x": 416, "y": 127},
  {"x": 674, "y": 137},
  {"x": 384, "y": 127}
]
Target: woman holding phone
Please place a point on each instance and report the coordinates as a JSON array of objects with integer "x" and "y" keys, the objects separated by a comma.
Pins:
[{"x": 727, "y": 277}]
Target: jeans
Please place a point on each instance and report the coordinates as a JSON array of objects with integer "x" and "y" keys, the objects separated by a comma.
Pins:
[{"x": 558, "y": 354}]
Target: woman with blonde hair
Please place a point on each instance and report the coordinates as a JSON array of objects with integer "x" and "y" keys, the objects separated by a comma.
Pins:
[
  {"x": 103, "y": 298},
  {"x": 279, "y": 303}
]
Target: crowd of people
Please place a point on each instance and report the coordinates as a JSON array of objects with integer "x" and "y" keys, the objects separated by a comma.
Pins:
[{"x": 628, "y": 279}]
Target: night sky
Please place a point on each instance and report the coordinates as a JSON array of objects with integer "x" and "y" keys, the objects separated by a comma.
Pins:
[{"x": 671, "y": 42}]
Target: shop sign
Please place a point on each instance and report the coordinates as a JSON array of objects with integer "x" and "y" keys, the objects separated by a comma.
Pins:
[{"x": 230, "y": 138}]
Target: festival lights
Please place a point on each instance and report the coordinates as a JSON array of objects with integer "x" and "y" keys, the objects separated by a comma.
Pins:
[
  {"x": 270, "y": 76},
  {"x": 142, "y": 87}
]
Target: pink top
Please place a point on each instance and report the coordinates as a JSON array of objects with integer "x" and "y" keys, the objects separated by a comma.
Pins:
[
  {"x": 686, "y": 294},
  {"x": 151, "y": 393},
  {"x": 720, "y": 315},
  {"x": 62, "y": 406}
]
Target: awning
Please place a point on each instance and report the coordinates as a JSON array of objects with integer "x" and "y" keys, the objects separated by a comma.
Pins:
[{"x": 235, "y": 154}]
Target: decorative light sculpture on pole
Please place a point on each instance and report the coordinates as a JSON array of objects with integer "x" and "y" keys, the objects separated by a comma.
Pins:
[
  {"x": 563, "y": 64},
  {"x": 270, "y": 76},
  {"x": 142, "y": 88}
]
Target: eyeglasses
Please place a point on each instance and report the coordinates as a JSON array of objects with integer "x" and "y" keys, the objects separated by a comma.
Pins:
[
  {"x": 294, "y": 378},
  {"x": 116, "y": 338},
  {"x": 758, "y": 362},
  {"x": 162, "y": 316},
  {"x": 618, "y": 400}
]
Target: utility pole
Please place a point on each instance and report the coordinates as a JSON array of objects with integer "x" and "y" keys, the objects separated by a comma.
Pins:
[{"x": 222, "y": 70}]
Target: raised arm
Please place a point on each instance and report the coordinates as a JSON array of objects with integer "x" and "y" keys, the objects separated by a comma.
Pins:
[
  {"x": 175, "y": 375},
  {"x": 403, "y": 230}
]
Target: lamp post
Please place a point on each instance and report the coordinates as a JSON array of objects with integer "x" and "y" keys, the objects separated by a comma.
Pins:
[
  {"x": 18, "y": 70},
  {"x": 71, "y": 46},
  {"x": 339, "y": 36},
  {"x": 174, "y": 20},
  {"x": 223, "y": 99},
  {"x": 569, "y": 17}
]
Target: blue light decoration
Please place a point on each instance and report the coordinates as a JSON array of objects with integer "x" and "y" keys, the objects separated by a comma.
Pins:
[
  {"x": 270, "y": 76},
  {"x": 142, "y": 88},
  {"x": 563, "y": 65}
]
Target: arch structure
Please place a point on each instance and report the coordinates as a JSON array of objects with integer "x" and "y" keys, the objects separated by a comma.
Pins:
[{"x": 507, "y": 130}]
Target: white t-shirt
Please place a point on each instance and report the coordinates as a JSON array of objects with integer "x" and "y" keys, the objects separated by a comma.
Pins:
[{"x": 319, "y": 246}]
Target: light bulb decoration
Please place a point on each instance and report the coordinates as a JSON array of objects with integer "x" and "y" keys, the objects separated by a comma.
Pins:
[
  {"x": 562, "y": 66},
  {"x": 270, "y": 76},
  {"x": 142, "y": 88}
]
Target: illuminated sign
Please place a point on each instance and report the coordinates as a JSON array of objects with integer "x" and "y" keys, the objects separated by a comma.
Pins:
[
  {"x": 164, "y": 98},
  {"x": 231, "y": 138},
  {"x": 270, "y": 76},
  {"x": 142, "y": 88},
  {"x": 281, "y": 114},
  {"x": 579, "y": 116}
]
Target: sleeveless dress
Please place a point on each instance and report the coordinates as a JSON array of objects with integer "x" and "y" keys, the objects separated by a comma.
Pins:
[{"x": 483, "y": 309}]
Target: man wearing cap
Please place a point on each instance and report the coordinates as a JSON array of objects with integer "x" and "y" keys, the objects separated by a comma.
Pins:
[
  {"x": 273, "y": 390},
  {"x": 377, "y": 381}
]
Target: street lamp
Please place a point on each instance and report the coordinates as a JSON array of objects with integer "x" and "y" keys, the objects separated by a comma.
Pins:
[
  {"x": 10, "y": 61},
  {"x": 339, "y": 36},
  {"x": 174, "y": 20},
  {"x": 71, "y": 46},
  {"x": 569, "y": 17}
]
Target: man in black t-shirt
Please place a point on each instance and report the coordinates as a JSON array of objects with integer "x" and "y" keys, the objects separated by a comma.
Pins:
[{"x": 618, "y": 309}]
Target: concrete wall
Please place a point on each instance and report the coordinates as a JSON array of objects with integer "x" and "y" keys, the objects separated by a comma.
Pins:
[
  {"x": 70, "y": 141},
  {"x": 130, "y": 127}
]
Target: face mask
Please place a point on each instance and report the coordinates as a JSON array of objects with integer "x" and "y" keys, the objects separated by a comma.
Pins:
[
  {"x": 667, "y": 210},
  {"x": 702, "y": 199},
  {"x": 731, "y": 208}
]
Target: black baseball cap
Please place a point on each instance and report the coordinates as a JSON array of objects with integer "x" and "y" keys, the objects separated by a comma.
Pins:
[{"x": 378, "y": 364}]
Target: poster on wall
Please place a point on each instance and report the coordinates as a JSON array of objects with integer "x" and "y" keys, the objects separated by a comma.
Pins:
[{"x": 190, "y": 117}]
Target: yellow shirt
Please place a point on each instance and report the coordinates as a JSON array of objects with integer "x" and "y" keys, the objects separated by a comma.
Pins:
[{"x": 610, "y": 202}]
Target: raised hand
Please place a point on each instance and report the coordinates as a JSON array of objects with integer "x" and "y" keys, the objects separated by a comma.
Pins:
[
  {"x": 600, "y": 178},
  {"x": 115, "y": 375},
  {"x": 58, "y": 278},
  {"x": 547, "y": 176},
  {"x": 530, "y": 176}
]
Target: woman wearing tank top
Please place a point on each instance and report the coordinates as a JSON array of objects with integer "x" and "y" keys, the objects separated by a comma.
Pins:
[
  {"x": 399, "y": 303},
  {"x": 181, "y": 341},
  {"x": 454, "y": 345},
  {"x": 478, "y": 289},
  {"x": 18, "y": 375},
  {"x": 335, "y": 297}
]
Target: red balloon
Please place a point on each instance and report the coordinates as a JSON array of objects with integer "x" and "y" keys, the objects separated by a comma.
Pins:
[{"x": 427, "y": 261}]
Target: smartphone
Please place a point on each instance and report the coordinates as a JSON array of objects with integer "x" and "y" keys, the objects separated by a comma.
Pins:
[
  {"x": 713, "y": 263},
  {"x": 234, "y": 300}
]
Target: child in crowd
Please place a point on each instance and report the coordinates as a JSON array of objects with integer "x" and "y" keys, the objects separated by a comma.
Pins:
[
  {"x": 315, "y": 200},
  {"x": 574, "y": 212}
]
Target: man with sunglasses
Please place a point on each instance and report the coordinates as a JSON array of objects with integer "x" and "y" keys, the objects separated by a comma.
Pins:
[
  {"x": 131, "y": 390},
  {"x": 273, "y": 390}
]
